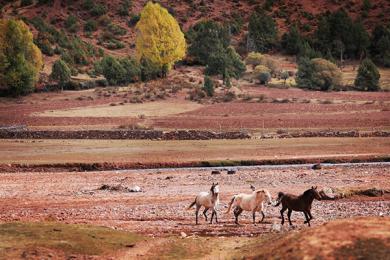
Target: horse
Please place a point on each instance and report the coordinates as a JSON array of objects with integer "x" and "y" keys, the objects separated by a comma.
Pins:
[
  {"x": 300, "y": 203},
  {"x": 209, "y": 200},
  {"x": 250, "y": 202}
]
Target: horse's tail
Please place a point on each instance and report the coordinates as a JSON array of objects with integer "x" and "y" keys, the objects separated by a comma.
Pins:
[
  {"x": 230, "y": 204},
  {"x": 279, "y": 199},
  {"x": 192, "y": 204}
]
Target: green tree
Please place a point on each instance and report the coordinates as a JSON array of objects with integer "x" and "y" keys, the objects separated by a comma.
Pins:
[
  {"x": 318, "y": 74},
  {"x": 367, "y": 77},
  {"x": 263, "y": 32},
  {"x": 206, "y": 38},
  {"x": 292, "y": 41},
  {"x": 61, "y": 73},
  {"x": 208, "y": 86},
  {"x": 159, "y": 37},
  {"x": 20, "y": 58},
  {"x": 380, "y": 45}
]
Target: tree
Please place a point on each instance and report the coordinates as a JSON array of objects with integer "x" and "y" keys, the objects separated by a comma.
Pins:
[
  {"x": 61, "y": 73},
  {"x": 284, "y": 75},
  {"x": 208, "y": 86},
  {"x": 206, "y": 38},
  {"x": 262, "y": 31},
  {"x": 20, "y": 58},
  {"x": 292, "y": 41},
  {"x": 119, "y": 71},
  {"x": 367, "y": 77},
  {"x": 225, "y": 62},
  {"x": 380, "y": 45},
  {"x": 318, "y": 74},
  {"x": 159, "y": 37}
]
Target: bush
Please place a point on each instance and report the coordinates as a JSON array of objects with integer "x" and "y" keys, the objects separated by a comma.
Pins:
[
  {"x": 292, "y": 41},
  {"x": 149, "y": 70},
  {"x": 262, "y": 32},
  {"x": 254, "y": 59},
  {"x": 318, "y": 74},
  {"x": 263, "y": 74},
  {"x": 71, "y": 24},
  {"x": 118, "y": 71},
  {"x": 90, "y": 26},
  {"x": 124, "y": 7},
  {"x": 133, "y": 20},
  {"x": 20, "y": 58},
  {"x": 87, "y": 5},
  {"x": 367, "y": 77},
  {"x": 61, "y": 73},
  {"x": 98, "y": 10},
  {"x": 208, "y": 86},
  {"x": 380, "y": 45}
]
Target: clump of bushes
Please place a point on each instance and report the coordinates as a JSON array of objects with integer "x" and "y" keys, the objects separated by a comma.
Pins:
[
  {"x": 262, "y": 73},
  {"x": 318, "y": 74},
  {"x": 367, "y": 78},
  {"x": 208, "y": 86},
  {"x": 60, "y": 73},
  {"x": 118, "y": 70},
  {"x": 263, "y": 32}
]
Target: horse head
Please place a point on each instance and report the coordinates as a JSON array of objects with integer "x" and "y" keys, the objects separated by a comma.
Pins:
[
  {"x": 315, "y": 192},
  {"x": 215, "y": 188}
]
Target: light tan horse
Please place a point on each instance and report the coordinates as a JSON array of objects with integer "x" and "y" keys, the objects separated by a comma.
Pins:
[
  {"x": 209, "y": 200},
  {"x": 250, "y": 202}
]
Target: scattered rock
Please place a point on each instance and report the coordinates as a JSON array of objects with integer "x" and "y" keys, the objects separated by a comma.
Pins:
[
  {"x": 215, "y": 172},
  {"x": 374, "y": 192},
  {"x": 276, "y": 227},
  {"x": 317, "y": 166},
  {"x": 328, "y": 194},
  {"x": 135, "y": 189},
  {"x": 183, "y": 235},
  {"x": 231, "y": 171},
  {"x": 169, "y": 177}
]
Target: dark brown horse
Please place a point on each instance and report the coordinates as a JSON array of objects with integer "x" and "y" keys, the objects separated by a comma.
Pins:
[{"x": 298, "y": 203}]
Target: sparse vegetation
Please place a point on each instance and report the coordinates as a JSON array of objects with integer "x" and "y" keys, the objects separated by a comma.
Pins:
[{"x": 367, "y": 77}]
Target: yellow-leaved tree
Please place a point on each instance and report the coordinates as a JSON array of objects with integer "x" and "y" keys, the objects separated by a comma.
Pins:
[
  {"x": 20, "y": 58},
  {"x": 159, "y": 37}
]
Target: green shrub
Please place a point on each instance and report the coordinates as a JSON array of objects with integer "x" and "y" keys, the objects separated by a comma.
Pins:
[
  {"x": 124, "y": 7},
  {"x": 90, "y": 26},
  {"x": 263, "y": 74},
  {"x": 116, "y": 29},
  {"x": 61, "y": 73},
  {"x": 380, "y": 45},
  {"x": 133, "y": 20},
  {"x": 367, "y": 77},
  {"x": 98, "y": 10},
  {"x": 208, "y": 86},
  {"x": 149, "y": 70},
  {"x": 292, "y": 41},
  {"x": 118, "y": 71},
  {"x": 71, "y": 24},
  {"x": 318, "y": 74},
  {"x": 87, "y": 5}
]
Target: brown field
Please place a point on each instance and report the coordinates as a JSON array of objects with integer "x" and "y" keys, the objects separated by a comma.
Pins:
[
  {"x": 152, "y": 152},
  {"x": 279, "y": 109}
]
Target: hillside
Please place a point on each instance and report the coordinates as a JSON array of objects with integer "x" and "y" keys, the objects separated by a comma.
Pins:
[{"x": 114, "y": 20}]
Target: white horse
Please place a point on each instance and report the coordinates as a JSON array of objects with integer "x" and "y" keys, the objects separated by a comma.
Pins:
[
  {"x": 209, "y": 200},
  {"x": 250, "y": 202}
]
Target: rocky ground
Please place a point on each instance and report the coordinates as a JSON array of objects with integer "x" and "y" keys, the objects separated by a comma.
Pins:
[{"x": 160, "y": 209}]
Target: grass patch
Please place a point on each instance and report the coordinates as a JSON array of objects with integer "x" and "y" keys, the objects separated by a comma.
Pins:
[
  {"x": 183, "y": 249},
  {"x": 69, "y": 239},
  {"x": 370, "y": 248}
]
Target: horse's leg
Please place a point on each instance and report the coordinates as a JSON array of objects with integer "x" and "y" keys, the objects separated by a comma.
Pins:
[
  {"x": 307, "y": 218},
  {"x": 215, "y": 214},
  {"x": 212, "y": 216},
  {"x": 308, "y": 212},
  {"x": 254, "y": 216},
  {"x": 289, "y": 216},
  {"x": 263, "y": 216},
  {"x": 282, "y": 214},
  {"x": 196, "y": 213},
  {"x": 204, "y": 213},
  {"x": 237, "y": 212}
]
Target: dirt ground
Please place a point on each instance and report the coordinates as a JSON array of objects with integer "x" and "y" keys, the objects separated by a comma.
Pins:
[
  {"x": 277, "y": 109},
  {"x": 147, "y": 152},
  {"x": 160, "y": 209}
]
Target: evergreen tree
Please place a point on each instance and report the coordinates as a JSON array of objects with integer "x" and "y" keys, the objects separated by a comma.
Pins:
[
  {"x": 208, "y": 86},
  {"x": 367, "y": 77},
  {"x": 380, "y": 45},
  {"x": 262, "y": 31},
  {"x": 61, "y": 73},
  {"x": 292, "y": 41}
]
